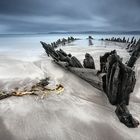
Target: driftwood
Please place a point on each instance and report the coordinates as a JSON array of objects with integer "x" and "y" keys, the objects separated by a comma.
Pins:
[
  {"x": 39, "y": 89},
  {"x": 17, "y": 92},
  {"x": 116, "y": 79}
]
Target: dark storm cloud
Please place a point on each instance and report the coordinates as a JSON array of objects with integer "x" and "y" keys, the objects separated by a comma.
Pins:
[{"x": 68, "y": 15}]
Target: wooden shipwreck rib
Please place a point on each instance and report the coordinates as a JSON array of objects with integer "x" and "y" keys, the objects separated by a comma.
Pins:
[
  {"x": 89, "y": 75},
  {"x": 116, "y": 79}
]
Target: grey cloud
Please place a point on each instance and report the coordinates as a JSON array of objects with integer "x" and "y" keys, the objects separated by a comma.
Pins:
[{"x": 69, "y": 15}]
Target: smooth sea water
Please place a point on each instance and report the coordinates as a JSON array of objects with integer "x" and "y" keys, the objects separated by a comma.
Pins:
[{"x": 28, "y": 47}]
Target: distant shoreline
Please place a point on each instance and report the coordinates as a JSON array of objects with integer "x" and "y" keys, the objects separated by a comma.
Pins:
[
  {"x": 100, "y": 32},
  {"x": 78, "y": 32}
]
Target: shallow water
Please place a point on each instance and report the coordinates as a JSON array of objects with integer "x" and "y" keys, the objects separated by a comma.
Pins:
[{"x": 27, "y": 47}]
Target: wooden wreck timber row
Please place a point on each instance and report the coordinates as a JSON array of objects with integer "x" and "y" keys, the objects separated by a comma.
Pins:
[
  {"x": 113, "y": 39},
  {"x": 62, "y": 42},
  {"x": 87, "y": 74},
  {"x": 121, "y": 40},
  {"x": 132, "y": 45},
  {"x": 134, "y": 55},
  {"x": 116, "y": 79}
]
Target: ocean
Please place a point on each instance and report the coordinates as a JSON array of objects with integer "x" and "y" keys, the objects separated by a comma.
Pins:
[{"x": 28, "y": 47}]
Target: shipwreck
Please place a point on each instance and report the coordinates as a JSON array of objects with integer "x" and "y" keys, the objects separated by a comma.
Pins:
[{"x": 116, "y": 79}]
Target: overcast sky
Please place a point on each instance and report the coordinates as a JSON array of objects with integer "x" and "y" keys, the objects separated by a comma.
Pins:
[{"x": 68, "y": 15}]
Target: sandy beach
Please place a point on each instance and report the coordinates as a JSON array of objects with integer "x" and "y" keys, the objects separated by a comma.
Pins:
[{"x": 81, "y": 112}]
